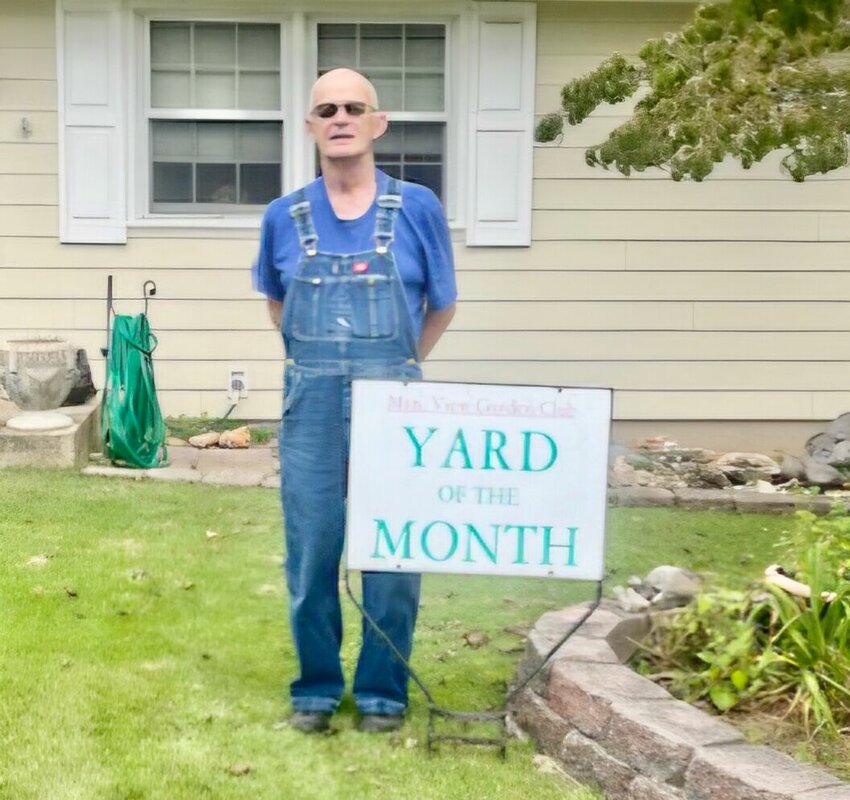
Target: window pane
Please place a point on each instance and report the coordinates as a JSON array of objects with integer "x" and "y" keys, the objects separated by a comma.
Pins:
[
  {"x": 173, "y": 140},
  {"x": 169, "y": 44},
  {"x": 216, "y": 183},
  {"x": 172, "y": 183},
  {"x": 170, "y": 89},
  {"x": 337, "y": 46},
  {"x": 215, "y": 153},
  {"x": 217, "y": 140},
  {"x": 259, "y": 46},
  {"x": 424, "y": 93},
  {"x": 215, "y": 90},
  {"x": 259, "y": 90},
  {"x": 259, "y": 141},
  {"x": 425, "y": 46},
  {"x": 406, "y": 63},
  {"x": 414, "y": 151},
  {"x": 259, "y": 183},
  {"x": 389, "y": 89},
  {"x": 215, "y": 45},
  {"x": 380, "y": 46}
]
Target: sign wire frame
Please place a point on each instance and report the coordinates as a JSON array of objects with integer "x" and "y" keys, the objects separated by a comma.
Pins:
[{"x": 437, "y": 711}]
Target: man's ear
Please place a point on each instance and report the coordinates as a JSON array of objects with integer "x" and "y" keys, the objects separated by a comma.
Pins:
[{"x": 381, "y": 123}]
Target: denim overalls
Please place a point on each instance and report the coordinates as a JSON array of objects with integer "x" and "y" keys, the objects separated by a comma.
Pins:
[{"x": 344, "y": 317}]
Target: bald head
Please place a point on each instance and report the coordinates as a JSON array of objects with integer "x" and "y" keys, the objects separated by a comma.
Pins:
[{"x": 343, "y": 84}]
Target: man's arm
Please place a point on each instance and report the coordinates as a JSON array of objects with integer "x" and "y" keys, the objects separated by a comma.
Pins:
[
  {"x": 433, "y": 326},
  {"x": 275, "y": 311}
]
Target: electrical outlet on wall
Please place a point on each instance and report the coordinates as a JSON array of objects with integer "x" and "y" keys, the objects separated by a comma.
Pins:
[{"x": 237, "y": 386}]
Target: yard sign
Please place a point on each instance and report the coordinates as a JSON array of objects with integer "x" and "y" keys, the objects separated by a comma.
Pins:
[{"x": 478, "y": 479}]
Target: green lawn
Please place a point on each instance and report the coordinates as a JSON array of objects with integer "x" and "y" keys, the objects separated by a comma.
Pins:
[{"x": 144, "y": 650}]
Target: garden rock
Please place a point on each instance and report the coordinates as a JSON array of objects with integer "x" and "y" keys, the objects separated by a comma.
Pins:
[
  {"x": 629, "y": 600},
  {"x": 743, "y": 467},
  {"x": 821, "y": 474},
  {"x": 840, "y": 456},
  {"x": 674, "y": 581},
  {"x": 819, "y": 446},
  {"x": 237, "y": 438},
  {"x": 204, "y": 440},
  {"x": 839, "y": 428},
  {"x": 792, "y": 469}
]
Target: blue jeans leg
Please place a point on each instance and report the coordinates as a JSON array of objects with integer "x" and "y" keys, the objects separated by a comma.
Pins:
[
  {"x": 392, "y": 600},
  {"x": 312, "y": 492}
]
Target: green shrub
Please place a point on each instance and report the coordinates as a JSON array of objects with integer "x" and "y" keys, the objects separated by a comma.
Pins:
[{"x": 765, "y": 648}]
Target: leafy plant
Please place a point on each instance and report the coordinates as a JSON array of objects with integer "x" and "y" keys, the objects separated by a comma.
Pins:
[
  {"x": 767, "y": 648},
  {"x": 184, "y": 427},
  {"x": 743, "y": 78}
]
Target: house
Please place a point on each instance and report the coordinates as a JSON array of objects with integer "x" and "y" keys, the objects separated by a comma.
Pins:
[{"x": 141, "y": 140}]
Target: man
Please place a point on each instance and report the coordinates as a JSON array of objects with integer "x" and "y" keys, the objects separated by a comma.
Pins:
[{"x": 357, "y": 268}]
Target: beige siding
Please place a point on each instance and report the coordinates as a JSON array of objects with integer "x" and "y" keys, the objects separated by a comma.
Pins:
[{"x": 722, "y": 300}]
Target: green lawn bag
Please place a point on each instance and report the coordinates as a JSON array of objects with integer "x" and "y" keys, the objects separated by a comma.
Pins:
[{"x": 131, "y": 424}]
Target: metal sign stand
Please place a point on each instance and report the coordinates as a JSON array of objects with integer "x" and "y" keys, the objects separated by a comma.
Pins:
[{"x": 436, "y": 711}]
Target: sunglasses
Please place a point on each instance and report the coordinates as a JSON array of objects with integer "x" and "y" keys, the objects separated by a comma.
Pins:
[{"x": 353, "y": 109}]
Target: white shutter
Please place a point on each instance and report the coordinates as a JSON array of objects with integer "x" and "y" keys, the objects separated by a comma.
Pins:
[
  {"x": 92, "y": 203},
  {"x": 503, "y": 50}
]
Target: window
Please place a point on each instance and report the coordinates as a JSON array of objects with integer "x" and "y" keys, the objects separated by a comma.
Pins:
[
  {"x": 406, "y": 63},
  {"x": 215, "y": 118}
]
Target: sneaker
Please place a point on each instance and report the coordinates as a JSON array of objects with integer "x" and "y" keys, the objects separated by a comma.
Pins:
[
  {"x": 310, "y": 721},
  {"x": 380, "y": 723}
]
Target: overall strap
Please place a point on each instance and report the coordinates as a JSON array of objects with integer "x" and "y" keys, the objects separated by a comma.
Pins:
[
  {"x": 389, "y": 204},
  {"x": 303, "y": 219}
]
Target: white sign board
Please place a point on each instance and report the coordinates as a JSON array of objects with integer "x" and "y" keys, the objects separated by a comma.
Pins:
[{"x": 478, "y": 479}]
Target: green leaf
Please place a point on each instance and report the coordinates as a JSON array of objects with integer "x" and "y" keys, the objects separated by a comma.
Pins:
[
  {"x": 739, "y": 679},
  {"x": 723, "y": 696}
]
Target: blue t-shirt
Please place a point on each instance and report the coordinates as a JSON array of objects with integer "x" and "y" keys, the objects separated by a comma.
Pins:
[{"x": 421, "y": 247}]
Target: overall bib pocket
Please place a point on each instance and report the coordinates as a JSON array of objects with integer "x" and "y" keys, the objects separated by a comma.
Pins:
[{"x": 373, "y": 307}]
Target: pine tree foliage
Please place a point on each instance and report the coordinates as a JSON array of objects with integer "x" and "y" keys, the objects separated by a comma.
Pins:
[{"x": 743, "y": 78}]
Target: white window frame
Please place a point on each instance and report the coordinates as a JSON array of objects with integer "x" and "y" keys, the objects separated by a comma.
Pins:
[
  {"x": 455, "y": 92},
  {"x": 299, "y": 66},
  {"x": 139, "y": 179}
]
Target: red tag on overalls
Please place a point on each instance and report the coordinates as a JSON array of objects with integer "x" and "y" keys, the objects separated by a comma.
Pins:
[{"x": 360, "y": 266}]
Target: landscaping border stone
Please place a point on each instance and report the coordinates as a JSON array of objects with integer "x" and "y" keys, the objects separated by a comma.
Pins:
[{"x": 609, "y": 726}]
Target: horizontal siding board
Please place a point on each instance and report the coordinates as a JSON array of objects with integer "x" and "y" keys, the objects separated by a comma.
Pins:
[
  {"x": 137, "y": 254},
  {"x": 761, "y": 316},
  {"x": 29, "y": 159},
  {"x": 42, "y": 190},
  {"x": 744, "y": 195},
  {"x": 645, "y": 345},
  {"x": 29, "y": 221},
  {"x": 43, "y": 126},
  {"x": 679, "y": 225},
  {"x": 165, "y": 314},
  {"x": 598, "y": 12},
  {"x": 738, "y": 256},
  {"x": 194, "y": 284},
  {"x": 27, "y": 95},
  {"x": 696, "y": 285},
  {"x": 27, "y": 63},
  {"x": 701, "y": 405},
  {"x": 829, "y": 406},
  {"x": 29, "y": 24},
  {"x": 653, "y": 376},
  {"x": 584, "y": 255}
]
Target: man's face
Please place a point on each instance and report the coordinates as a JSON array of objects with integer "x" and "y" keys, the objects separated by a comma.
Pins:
[{"x": 345, "y": 133}]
